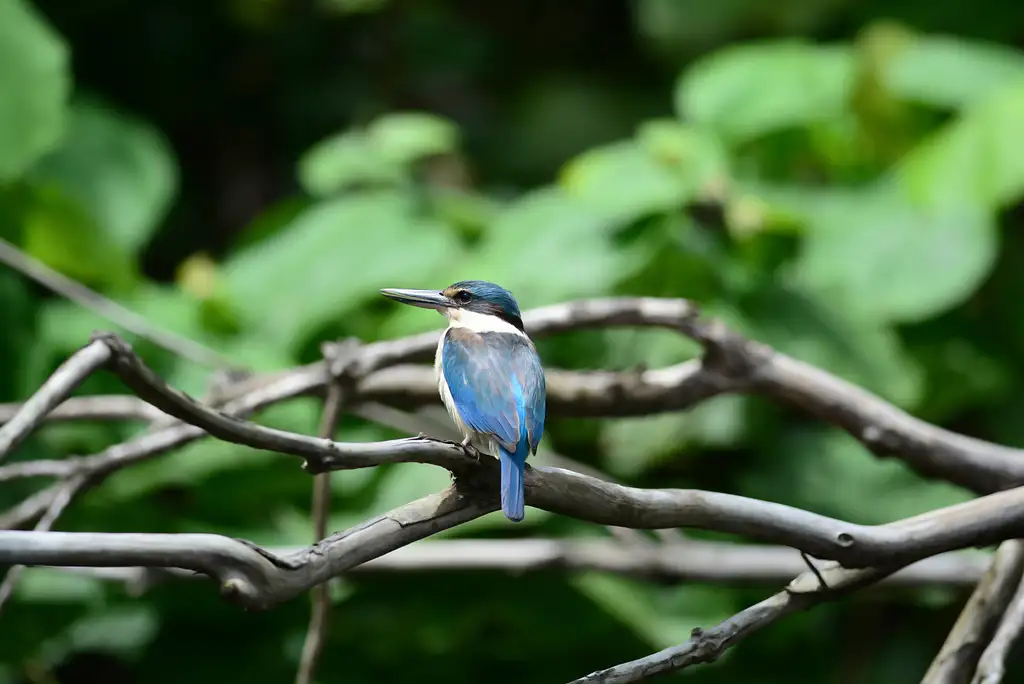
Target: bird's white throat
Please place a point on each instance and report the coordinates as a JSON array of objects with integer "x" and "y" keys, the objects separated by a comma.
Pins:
[{"x": 478, "y": 322}]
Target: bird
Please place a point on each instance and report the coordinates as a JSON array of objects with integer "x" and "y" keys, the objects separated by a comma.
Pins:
[{"x": 489, "y": 376}]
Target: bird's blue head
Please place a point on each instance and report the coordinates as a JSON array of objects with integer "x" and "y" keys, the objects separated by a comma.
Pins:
[{"x": 478, "y": 296}]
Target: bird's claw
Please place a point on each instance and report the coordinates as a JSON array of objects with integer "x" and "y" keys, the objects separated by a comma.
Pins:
[{"x": 470, "y": 450}]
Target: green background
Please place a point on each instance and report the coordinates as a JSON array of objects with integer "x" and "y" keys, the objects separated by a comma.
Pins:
[{"x": 839, "y": 179}]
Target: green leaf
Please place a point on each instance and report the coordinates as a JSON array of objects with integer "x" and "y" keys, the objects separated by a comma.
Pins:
[
  {"x": 379, "y": 155},
  {"x": 548, "y": 247},
  {"x": 748, "y": 91},
  {"x": 623, "y": 182},
  {"x": 344, "y": 160},
  {"x": 405, "y": 137},
  {"x": 951, "y": 72},
  {"x": 697, "y": 155},
  {"x": 332, "y": 258},
  {"x": 57, "y": 230},
  {"x": 876, "y": 256},
  {"x": 35, "y": 82},
  {"x": 974, "y": 160},
  {"x": 121, "y": 169}
]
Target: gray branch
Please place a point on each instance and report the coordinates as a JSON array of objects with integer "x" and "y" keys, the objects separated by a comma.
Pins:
[
  {"x": 992, "y": 664},
  {"x": 706, "y": 646},
  {"x": 257, "y": 578},
  {"x": 956, "y": 660},
  {"x": 979, "y": 522},
  {"x": 731, "y": 363},
  {"x": 688, "y": 561},
  {"x": 68, "y": 376},
  {"x": 246, "y": 574}
]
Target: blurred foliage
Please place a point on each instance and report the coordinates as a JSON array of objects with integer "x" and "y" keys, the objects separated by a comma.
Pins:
[{"x": 249, "y": 173}]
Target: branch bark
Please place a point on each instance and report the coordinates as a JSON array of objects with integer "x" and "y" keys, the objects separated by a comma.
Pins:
[
  {"x": 730, "y": 363},
  {"x": 706, "y": 646},
  {"x": 982, "y": 521},
  {"x": 992, "y": 664},
  {"x": 956, "y": 660},
  {"x": 247, "y": 574},
  {"x": 689, "y": 561},
  {"x": 338, "y": 358},
  {"x": 986, "y": 520},
  {"x": 65, "y": 380}
]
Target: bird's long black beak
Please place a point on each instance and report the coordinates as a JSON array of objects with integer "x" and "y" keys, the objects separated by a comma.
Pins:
[{"x": 427, "y": 299}]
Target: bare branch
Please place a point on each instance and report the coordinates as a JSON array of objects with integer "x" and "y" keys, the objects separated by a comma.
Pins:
[
  {"x": 248, "y": 575},
  {"x": 992, "y": 664},
  {"x": 590, "y": 499},
  {"x": 57, "y": 506},
  {"x": 693, "y": 561},
  {"x": 423, "y": 423},
  {"x": 338, "y": 358},
  {"x": 65, "y": 380},
  {"x": 113, "y": 407},
  {"x": 979, "y": 522},
  {"x": 956, "y": 660},
  {"x": 706, "y": 646},
  {"x": 731, "y": 364}
]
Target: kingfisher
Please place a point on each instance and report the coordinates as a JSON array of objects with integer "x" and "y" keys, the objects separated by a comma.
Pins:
[{"x": 489, "y": 377}]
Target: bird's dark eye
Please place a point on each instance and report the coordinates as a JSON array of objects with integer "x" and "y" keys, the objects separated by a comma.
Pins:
[{"x": 462, "y": 296}]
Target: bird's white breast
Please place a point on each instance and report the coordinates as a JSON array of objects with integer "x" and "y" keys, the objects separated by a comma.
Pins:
[{"x": 482, "y": 442}]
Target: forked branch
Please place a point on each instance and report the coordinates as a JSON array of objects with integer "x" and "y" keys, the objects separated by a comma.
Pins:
[{"x": 256, "y": 578}]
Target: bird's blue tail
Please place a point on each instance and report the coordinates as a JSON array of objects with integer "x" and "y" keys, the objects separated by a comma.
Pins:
[{"x": 512, "y": 488}]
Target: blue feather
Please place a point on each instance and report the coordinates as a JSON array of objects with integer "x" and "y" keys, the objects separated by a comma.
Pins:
[{"x": 497, "y": 385}]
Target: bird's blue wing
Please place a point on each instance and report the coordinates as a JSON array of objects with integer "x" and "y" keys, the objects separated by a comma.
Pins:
[{"x": 497, "y": 383}]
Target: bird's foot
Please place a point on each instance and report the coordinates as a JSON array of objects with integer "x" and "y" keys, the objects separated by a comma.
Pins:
[{"x": 470, "y": 450}]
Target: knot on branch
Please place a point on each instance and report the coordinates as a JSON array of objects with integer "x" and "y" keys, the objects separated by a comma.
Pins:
[
  {"x": 342, "y": 357},
  {"x": 118, "y": 345}
]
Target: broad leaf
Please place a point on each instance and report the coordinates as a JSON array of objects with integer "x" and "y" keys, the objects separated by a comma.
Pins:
[
  {"x": 121, "y": 169},
  {"x": 748, "y": 91},
  {"x": 623, "y": 182},
  {"x": 974, "y": 160},
  {"x": 950, "y": 72},
  {"x": 878, "y": 256},
  {"x": 405, "y": 137},
  {"x": 548, "y": 247},
  {"x": 34, "y": 82},
  {"x": 333, "y": 257}
]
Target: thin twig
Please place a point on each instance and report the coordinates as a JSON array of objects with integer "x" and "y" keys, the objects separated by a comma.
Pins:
[
  {"x": 992, "y": 664},
  {"x": 45, "y": 524},
  {"x": 65, "y": 380},
  {"x": 956, "y": 660},
  {"x": 316, "y": 631},
  {"x": 112, "y": 311},
  {"x": 706, "y": 646}
]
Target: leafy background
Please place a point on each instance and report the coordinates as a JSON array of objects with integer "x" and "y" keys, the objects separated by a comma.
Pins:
[{"x": 839, "y": 179}]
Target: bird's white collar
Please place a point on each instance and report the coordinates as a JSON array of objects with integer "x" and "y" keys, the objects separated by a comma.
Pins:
[{"x": 478, "y": 322}]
